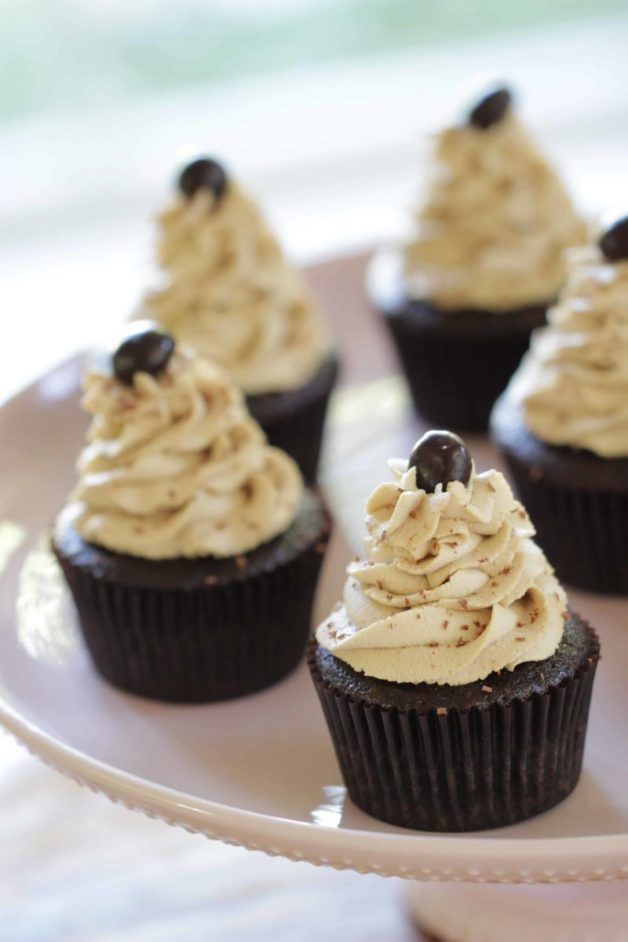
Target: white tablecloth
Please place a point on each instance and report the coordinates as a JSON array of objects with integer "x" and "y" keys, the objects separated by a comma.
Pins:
[{"x": 76, "y": 868}]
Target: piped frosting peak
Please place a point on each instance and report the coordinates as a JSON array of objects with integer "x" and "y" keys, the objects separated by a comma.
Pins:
[
  {"x": 175, "y": 466},
  {"x": 493, "y": 224},
  {"x": 452, "y": 587},
  {"x": 573, "y": 383},
  {"x": 229, "y": 291}
]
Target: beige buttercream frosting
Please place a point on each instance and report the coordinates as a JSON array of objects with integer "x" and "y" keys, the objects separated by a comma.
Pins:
[
  {"x": 230, "y": 292},
  {"x": 452, "y": 589},
  {"x": 494, "y": 223},
  {"x": 573, "y": 383},
  {"x": 175, "y": 466}
]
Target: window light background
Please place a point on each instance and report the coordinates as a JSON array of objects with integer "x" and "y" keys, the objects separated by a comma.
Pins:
[{"x": 321, "y": 106}]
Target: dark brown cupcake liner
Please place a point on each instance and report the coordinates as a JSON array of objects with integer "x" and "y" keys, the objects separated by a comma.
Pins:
[
  {"x": 202, "y": 641},
  {"x": 453, "y": 770},
  {"x": 294, "y": 421},
  {"x": 584, "y": 534},
  {"x": 457, "y": 363},
  {"x": 577, "y": 501}
]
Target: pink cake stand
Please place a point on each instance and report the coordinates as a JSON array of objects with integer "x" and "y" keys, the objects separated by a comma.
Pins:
[{"x": 260, "y": 771}]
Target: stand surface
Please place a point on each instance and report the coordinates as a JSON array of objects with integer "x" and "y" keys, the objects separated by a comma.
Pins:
[{"x": 261, "y": 771}]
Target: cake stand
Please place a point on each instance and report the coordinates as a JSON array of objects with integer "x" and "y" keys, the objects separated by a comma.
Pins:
[{"x": 260, "y": 771}]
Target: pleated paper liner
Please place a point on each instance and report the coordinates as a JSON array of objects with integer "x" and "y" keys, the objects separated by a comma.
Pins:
[
  {"x": 453, "y": 770},
  {"x": 294, "y": 421},
  {"x": 457, "y": 363},
  {"x": 210, "y": 638},
  {"x": 577, "y": 501},
  {"x": 584, "y": 534}
]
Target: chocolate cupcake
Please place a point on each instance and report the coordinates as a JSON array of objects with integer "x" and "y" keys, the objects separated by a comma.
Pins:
[
  {"x": 228, "y": 290},
  {"x": 481, "y": 267},
  {"x": 562, "y": 424},
  {"x": 454, "y": 680},
  {"x": 190, "y": 546}
]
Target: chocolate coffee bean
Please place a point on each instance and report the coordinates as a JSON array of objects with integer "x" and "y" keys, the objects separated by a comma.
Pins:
[
  {"x": 614, "y": 239},
  {"x": 440, "y": 458},
  {"x": 491, "y": 108},
  {"x": 146, "y": 348},
  {"x": 203, "y": 172}
]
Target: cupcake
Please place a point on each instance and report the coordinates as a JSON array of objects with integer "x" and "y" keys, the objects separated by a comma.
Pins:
[
  {"x": 562, "y": 424},
  {"x": 484, "y": 262},
  {"x": 228, "y": 290},
  {"x": 454, "y": 679},
  {"x": 190, "y": 546}
]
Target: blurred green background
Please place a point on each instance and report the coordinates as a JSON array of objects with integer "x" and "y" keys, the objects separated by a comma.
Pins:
[{"x": 65, "y": 55}]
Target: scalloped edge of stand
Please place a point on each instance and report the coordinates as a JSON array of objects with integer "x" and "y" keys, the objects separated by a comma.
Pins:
[{"x": 161, "y": 803}]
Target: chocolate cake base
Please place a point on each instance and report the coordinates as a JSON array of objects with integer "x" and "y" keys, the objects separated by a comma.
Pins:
[
  {"x": 198, "y": 630},
  {"x": 294, "y": 420},
  {"x": 456, "y": 362},
  {"x": 577, "y": 501},
  {"x": 483, "y": 755}
]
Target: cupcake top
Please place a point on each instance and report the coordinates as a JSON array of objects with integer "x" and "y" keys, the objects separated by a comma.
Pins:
[
  {"x": 573, "y": 384},
  {"x": 453, "y": 586},
  {"x": 175, "y": 466},
  {"x": 228, "y": 289},
  {"x": 495, "y": 219}
]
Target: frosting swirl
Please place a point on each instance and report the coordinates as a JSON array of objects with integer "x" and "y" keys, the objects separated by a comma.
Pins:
[
  {"x": 175, "y": 467},
  {"x": 230, "y": 292},
  {"x": 573, "y": 383},
  {"x": 494, "y": 224},
  {"x": 453, "y": 587}
]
